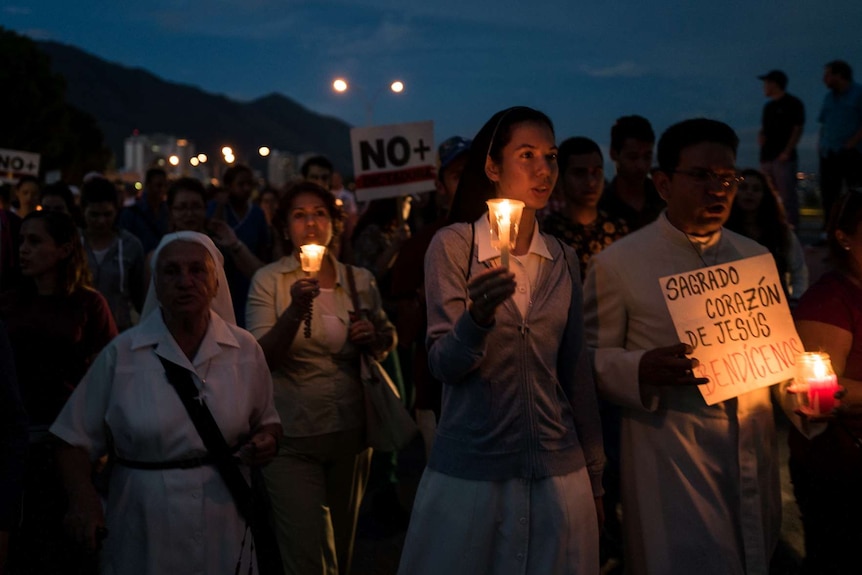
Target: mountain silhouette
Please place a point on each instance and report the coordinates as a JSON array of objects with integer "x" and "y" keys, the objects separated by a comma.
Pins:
[{"x": 125, "y": 99}]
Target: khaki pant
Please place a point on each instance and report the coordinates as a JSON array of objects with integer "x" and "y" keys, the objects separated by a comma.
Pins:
[{"x": 316, "y": 485}]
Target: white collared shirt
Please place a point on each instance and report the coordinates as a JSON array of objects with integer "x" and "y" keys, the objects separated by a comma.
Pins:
[{"x": 526, "y": 267}]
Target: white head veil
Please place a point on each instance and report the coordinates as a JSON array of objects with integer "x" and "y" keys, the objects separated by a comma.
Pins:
[{"x": 221, "y": 303}]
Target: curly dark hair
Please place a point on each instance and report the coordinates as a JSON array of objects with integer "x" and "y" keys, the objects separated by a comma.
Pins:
[{"x": 285, "y": 204}]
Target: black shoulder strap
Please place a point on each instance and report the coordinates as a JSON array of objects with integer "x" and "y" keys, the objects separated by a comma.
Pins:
[
  {"x": 181, "y": 380},
  {"x": 354, "y": 295}
]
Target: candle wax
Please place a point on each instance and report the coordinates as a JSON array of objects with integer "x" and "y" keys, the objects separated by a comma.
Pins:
[{"x": 821, "y": 393}]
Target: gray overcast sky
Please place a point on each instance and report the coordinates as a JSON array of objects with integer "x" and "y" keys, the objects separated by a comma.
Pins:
[{"x": 583, "y": 63}]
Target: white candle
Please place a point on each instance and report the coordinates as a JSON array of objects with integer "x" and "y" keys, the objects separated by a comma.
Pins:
[
  {"x": 311, "y": 256},
  {"x": 504, "y": 216}
]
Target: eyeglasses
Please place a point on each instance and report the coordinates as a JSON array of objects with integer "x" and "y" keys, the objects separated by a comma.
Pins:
[{"x": 705, "y": 177}]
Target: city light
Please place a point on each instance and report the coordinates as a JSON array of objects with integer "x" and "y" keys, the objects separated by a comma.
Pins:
[
  {"x": 202, "y": 158},
  {"x": 227, "y": 151},
  {"x": 174, "y": 160},
  {"x": 263, "y": 151},
  {"x": 229, "y": 158},
  {"x": 341, "y": 86},
  {"x": 139, "y": 186},
  {"x": 194, "y": 161}
]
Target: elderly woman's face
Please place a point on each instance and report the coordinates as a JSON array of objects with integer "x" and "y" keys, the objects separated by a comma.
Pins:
[
  {"x": 185, "y": 278},
  {"x": 308, "y": 221}
]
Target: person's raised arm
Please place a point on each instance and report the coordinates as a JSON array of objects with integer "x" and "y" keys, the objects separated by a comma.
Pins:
[
  {"x": 245, "y": 260},
  {"x": 275, "y": 333},
  {"x": 837, "y": 342}
]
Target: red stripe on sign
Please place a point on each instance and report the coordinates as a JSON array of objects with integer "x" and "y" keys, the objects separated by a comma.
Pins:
[{"x": 395, "y": 178}]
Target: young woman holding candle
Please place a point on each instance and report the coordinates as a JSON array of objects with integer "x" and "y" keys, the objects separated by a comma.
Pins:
[
  {"x": 318, "y": 478},
  {"x": 827, "y": 470},
  {"x": 513, "y": 483}
]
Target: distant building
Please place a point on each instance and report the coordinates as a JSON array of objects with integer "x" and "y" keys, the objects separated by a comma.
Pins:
[
  {"x": 176, "y": 155},
  {"x": 282, "y": 168}
]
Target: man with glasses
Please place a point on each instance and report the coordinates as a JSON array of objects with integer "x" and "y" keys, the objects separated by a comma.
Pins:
[{"x": 700, "y": 487}]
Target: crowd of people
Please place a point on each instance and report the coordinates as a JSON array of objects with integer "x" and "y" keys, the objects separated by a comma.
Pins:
[{"x": 559, "y": 412}]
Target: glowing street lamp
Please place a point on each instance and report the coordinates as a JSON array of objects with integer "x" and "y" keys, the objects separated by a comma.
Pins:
[
  {"x": 227, "y": 151},
  {"x": 194, "y": 161},
  {"x": 202, "y": 158},
  {"x": 263, "y": 151},
  {"x": 174, "y": 160},
  {"x": 341, "y": 86}
]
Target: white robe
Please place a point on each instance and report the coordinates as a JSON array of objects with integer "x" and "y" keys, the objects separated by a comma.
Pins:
[
  {"x": 177, "y": 520},
  {"x": 700, "y": 485}
]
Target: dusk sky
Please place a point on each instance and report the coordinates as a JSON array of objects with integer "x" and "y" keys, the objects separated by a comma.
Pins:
[{"x": 583, "y": 63}]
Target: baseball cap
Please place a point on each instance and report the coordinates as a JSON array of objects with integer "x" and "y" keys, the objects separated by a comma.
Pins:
[
  {"x": 451, "y": 149},
  {"x": 776, "y": 76}
]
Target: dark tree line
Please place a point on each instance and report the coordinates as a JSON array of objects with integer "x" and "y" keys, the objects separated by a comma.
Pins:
[{"x": 36, "y": 116}]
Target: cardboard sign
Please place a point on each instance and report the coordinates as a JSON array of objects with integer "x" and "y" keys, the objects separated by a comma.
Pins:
[
  {"x": 14, "y": 164},
  {"x": 736, "y": 318},
  {"x": 395, "y": 160}
]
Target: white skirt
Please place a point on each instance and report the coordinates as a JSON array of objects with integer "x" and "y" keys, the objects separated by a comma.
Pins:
[{"x": 526, "y": 527}]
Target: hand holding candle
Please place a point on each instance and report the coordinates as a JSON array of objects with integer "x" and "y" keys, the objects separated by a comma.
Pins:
[
  {"x": 311, "y": 257},
  {"x": 505, "y": 217},
  {"x": 816, "y": 383}
]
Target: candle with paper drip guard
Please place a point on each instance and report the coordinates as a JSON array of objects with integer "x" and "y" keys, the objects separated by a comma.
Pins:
[
  {"x": 311, "y": 257},
  {"x": 505, "y": 218},
  {"x": 816, "y": 383}
]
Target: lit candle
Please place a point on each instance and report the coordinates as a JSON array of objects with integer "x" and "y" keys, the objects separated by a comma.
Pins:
[
  {"x": 311, "y": 256},
  {"x": 505, "y": 224},
  {"x": 817, "y": 382},
  {"x": 505, "y": 216}
]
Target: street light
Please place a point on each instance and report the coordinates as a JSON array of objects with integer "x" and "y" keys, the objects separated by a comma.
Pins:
[
  {"x": 341, "y": 86},
  {"x": 263, "y": 151}
]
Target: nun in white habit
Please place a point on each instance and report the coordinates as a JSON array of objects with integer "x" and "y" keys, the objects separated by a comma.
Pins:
[{"x": 181, "y": 517}]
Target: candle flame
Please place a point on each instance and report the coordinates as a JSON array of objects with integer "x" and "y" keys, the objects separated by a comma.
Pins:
[
  {"x": 504, "y": 211},
  {"x": 819, "y": 366},
  {"x": 311, "y": 256}
]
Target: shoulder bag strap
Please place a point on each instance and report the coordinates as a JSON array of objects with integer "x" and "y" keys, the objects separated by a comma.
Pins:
[
  {"x": 181, "y": 380},
  {"x": 354, "y": 295}
]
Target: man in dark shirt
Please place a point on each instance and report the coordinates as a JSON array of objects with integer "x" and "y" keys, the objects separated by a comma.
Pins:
[
  {"x": 147, "y": 219},
  {"x": 631, "y": 195},
  {"x": 781, "y": 128}
]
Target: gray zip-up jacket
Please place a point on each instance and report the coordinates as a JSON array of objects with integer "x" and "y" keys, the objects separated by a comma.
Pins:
[{"x": 518, "y": 396}]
